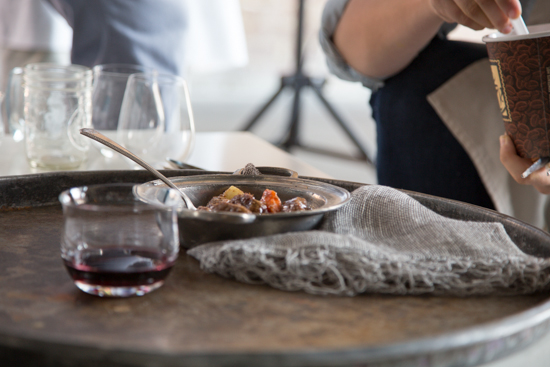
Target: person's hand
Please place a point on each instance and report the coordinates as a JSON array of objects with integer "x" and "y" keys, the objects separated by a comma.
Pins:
[
  {"x": 517, "y": 165},
  {"x": 478, "y": 14}
]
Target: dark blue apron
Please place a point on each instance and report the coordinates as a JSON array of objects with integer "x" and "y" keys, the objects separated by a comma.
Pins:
[{"x": 416, "y": 151}]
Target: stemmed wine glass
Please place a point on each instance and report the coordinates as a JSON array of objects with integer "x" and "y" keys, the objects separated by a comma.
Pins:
[
  {"x": 156, "y": 119},
  {"x": 109, "y": 85}
]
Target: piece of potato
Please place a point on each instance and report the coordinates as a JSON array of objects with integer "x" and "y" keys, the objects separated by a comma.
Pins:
[{"x": 232, "y": 191}]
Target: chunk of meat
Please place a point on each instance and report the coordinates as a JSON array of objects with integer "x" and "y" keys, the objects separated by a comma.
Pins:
[
  {"x": 221, "y": 203},
  {"x": 249, "y": 201},
  {"x": 216, "y": 200},
  {"x": 230, "y": 207},
  {"x": 296, "y": 204}
]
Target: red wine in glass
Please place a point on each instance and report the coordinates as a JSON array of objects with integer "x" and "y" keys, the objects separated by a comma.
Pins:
[{"x": 119, "y": 271}]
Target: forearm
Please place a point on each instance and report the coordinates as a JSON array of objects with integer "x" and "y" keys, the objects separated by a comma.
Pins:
[{"x": 379, "y": 38}]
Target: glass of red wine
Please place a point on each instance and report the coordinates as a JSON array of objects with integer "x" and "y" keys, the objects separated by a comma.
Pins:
[{"x": 115, "y": 245}]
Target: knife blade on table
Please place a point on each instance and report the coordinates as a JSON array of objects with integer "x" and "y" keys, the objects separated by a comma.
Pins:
[{"x": 181, "y": 165}]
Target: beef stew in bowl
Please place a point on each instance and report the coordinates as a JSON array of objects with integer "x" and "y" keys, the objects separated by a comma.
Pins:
[{"x": 201, "y": 226}]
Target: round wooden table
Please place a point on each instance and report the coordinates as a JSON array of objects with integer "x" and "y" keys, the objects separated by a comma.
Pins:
[{"x": 201, "y": 319}]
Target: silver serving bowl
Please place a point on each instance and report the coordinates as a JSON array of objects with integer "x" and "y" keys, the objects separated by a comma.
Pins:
[{"x": 197, "y": 227}]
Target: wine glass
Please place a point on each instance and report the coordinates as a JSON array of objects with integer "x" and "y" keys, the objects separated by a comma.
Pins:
[
  {"x": 108, "y": 90},
  {"x": 156, "y": 119}
]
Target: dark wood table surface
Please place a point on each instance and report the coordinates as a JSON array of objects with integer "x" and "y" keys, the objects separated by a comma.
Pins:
[{"x": 201, "y": 319}]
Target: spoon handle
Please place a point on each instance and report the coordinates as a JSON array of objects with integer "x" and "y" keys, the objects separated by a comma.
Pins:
[
  {"x": 97, "y": 136},
  {"x": 519, "y": 26}
]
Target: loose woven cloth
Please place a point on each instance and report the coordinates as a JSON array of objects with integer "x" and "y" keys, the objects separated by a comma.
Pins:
[{"x": 383, "y": 241}]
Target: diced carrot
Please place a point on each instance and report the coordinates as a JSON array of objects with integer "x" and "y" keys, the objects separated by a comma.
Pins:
[{"x": 272, "y": 201}]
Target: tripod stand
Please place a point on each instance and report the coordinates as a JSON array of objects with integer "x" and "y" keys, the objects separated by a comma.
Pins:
[{"x": 297, "y": 82}]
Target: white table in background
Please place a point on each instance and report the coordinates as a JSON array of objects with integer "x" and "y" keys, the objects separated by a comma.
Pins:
[{"x": 214, "y": 151}]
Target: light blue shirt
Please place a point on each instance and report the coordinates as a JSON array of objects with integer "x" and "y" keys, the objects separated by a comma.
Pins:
[
  {"x": 338, "y": 66},
  {"x": 143, "y": 32}
]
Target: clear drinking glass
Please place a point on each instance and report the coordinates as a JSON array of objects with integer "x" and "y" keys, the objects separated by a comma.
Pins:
[
  {"x": 57, "y": 104},
  {"x": 156, "y": 119},
  {"x": 13, "y": 102},
  {"x": 108, "y": 90},
  {"x": 115, "y": 245}
]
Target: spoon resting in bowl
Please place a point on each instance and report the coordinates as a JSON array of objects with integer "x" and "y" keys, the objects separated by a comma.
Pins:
[
  {"x": 228, "y": 217},
  {"x": 97, "y": 136}
]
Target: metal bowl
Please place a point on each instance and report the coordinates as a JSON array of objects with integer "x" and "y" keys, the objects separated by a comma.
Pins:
[{"x": 197, "y": 227}]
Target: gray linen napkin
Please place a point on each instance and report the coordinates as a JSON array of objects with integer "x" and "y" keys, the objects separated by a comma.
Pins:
[{"x": 383, "y": 241}]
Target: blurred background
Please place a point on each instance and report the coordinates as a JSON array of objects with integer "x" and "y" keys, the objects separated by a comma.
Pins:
[
  {"x": 227, "y": 99},
  {"x": 239, "y": 50}
]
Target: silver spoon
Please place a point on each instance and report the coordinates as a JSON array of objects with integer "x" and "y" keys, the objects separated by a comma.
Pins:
[
  {"x": 226, "y": 217},
  {"x": 97, "y": 136}
]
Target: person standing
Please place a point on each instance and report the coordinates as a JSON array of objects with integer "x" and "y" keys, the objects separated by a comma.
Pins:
[
  {"x": 433, "y": 99},
  {"x": 142, "y": 32}
]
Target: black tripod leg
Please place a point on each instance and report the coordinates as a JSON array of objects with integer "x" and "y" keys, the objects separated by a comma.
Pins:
[
  {"x": 264, "y": 108},
  {"x": 363, "y": 154},
  {"x": 292, "y": 137}
]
